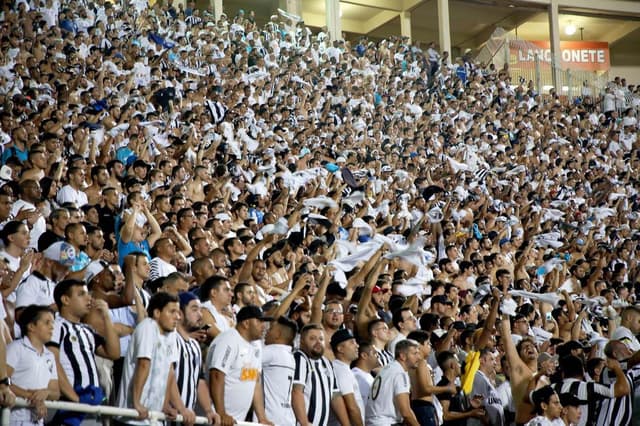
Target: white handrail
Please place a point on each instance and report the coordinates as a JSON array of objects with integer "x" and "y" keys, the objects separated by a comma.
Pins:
[{"x": 104, "y": 410}]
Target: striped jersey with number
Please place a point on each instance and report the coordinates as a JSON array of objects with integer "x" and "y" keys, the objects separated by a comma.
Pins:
[
  {"x": 318, "y": 379},
  {"x": 381, "y": 409},
  {"x": 278, "y": 367}
]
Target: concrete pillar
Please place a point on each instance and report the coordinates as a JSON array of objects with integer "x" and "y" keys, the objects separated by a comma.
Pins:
[
  {"x": 444, "y": 28},
  {"x": 405, "y": 24},
  {"x": 217, "y": 9},
  {"x": 333, "y": 19},
  {"x": 554, "y": 37},
  {"x": 294, "y": 7}
]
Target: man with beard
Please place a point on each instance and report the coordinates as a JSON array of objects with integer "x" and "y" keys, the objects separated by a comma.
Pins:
[
  {"x": 76, "y": 236},
  {"x": 108, "y": 212},
  {"x": 234, "y": 367},
  {"x": 191, "y": 386},
  {"x": 30, "y": 196},
  {"x": 72, "y": 192},
  {"x": 243, "y": 295},
  {"x": 95, "y": 244},
  {"x": 116, "y": 171},
  {"x": 523, "y": 360},
  {"x": 276, "y": 266},
  {"x": 314, "y": 391},
  {"x": 389, "y": 401},
  {"x": 99, "y": 180}
]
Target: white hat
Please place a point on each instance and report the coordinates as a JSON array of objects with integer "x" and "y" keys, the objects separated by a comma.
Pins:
[
  {"x": 222, "y": 217},
  {"x": 62, "y": 252},
  {"x": 93, "y": 269},
  {"x": 5, "y": 173}
]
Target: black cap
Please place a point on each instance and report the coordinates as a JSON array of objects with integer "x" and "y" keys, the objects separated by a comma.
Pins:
[
  {"x": 251, "y": 312},
  {"x": 571, "y": 400},
  {"x": 341, "y": 335},
  {"x": 441, "y": 298}
]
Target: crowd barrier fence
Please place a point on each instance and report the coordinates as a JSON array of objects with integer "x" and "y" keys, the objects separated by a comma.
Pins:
[{"x": 155, "y": 418}]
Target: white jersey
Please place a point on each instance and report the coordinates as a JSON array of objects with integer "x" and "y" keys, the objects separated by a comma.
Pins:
[
  {"x": 381, "y": 409},
  {"x": 67, "y": 194},
  {"x": 241, "y": 363},
  {"x": 278, "y": 366},
  {"x": 31, "y": 370},
  {"x": 365, "y": 380},
  {"x": 148, "y": 342},
  {"x": 625, "y": 336},
  {"x": 347, "y": 385},
  {"x": 222, "y": 322},
  {"x": 36, "y": 289},
  {"x": 543, "y": 421}
]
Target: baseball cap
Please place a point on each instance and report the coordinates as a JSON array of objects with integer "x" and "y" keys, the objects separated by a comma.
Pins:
[
  {"x": 341, "y": 335},
  {"x": 61, "y": 252},
  {"x": 93, "y": 269},
  {"x": 571, "y": 399},
  {"x": 251, "y": 312},
  {"x": 186, "y": 297},
  {"x": 222, "y": 217}
]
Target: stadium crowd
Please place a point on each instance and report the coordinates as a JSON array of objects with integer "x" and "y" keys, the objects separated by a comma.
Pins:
[{"x": 259, "y": 223}]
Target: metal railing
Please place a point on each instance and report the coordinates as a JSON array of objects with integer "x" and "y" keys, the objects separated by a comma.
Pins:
[{"x": 155, "y": 417}]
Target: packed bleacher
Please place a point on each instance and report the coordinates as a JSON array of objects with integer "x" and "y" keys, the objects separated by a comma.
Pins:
[{"x": 267, "y": 223}]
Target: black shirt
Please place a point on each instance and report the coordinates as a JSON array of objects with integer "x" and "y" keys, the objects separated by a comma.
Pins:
[
  {"x": 47, "y": 239},
  {"x": 457, "y": 403}
]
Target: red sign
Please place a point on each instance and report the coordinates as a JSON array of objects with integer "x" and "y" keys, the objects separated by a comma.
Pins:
[{"x": 578, "y": 55}]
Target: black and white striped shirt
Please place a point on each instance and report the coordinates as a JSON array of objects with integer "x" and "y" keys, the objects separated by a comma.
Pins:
[
  {"x": 384, "y": 356},
  {"x": 217, "y": 111},
  {"x": 586, "y": 391},
  {"x": 188, "y": 370},
  {"x": 319, "y": 381},
  {"x": 618, "y": 411},
  {"x": 77, "y": 343}
]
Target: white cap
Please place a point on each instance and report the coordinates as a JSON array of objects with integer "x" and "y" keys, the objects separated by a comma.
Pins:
[
  {"x": 62, "y": 252},
  {"x": 222, "y": 217},
  {"x": 92, "y": 270}
]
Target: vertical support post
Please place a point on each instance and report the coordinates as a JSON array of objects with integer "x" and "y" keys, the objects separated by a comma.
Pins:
[
  {"x": 333, "y": 19},
  {"x": 405, "y": 24},
  {"x": 444, "y": 27},
  {"x": 554, "y": 36},
  {"x": 217, "y": 9}
]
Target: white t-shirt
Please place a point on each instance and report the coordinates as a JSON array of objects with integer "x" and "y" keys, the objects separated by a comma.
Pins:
[
  {"x": 36, "y": 289},
  {"x": 347, "y": 384},
  {"x": 31, "y": 370},
  {"x": 381, "y": 409},
  {"x": 241, "y": 363},
  {"x": 148, "y": 342},
  {"x": 365, "y": 380},
  {"x": 278, "y": 366},
  {"x": 222, "y": 322},
  {"x": 67, "y": 194}
]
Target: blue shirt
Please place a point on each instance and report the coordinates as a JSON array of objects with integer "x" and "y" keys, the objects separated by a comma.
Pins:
[
  {"x": 14, "y": 151},
  {"x": 130, "y": 247}
]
